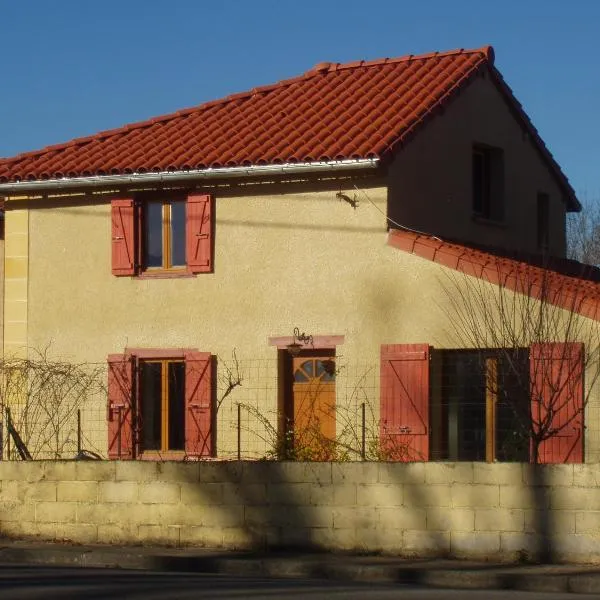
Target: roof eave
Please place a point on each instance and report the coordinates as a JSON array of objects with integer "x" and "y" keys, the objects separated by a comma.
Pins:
[{"x": 189, "y": 175}]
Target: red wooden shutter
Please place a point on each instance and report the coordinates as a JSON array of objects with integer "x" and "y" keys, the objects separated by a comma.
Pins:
[
  {"x": 199, "y": 234},
  {"x": 120, "y": 418},
  {"x": 123, "y": 227},
  {"x": 404, "y": 417},
  {"x": 198, "y": 404},
  {"x": 556, "y": 375}
]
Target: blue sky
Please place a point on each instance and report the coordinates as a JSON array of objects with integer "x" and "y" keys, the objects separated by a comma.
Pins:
[{"x": 74, "y": 67}]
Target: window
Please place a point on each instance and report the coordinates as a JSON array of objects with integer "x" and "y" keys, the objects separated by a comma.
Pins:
[
  {"x": 482, "y": 404},
  {"x": 164, "y": 235},
  {"x": 154, "y": 236},
  {"x": 543, "y": 222},
  {"x": 160, "y": 403},
  {"x": 488, "y": 183},
  {"x": 162, "y": 395}
]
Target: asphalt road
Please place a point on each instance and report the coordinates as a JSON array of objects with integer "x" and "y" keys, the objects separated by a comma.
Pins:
[{"x": 29, "y": 583}]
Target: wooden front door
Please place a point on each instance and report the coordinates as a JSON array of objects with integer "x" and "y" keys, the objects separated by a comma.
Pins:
[{"x": 313, "y": 403}]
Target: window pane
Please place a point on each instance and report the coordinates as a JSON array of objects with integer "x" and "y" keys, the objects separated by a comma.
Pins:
[
  {"x": 178, "y": 234},
  {"x": 326, "y": 370},
  {"x": 176, "y": 406},
  {"x": 150, "y": 417},
  {"x": 154, "y": 235}
]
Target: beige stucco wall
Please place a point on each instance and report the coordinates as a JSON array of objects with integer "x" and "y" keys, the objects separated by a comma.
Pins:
[
  {"x": 304, "y": 259},
  {"x": 430, "y": 180},
  {"x": 286, "y": 256},
  {"x": 473, "y": 510}
]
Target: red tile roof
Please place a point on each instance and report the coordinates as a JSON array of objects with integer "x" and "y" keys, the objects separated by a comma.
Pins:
[
  {"x": 566, "y": 283},
  {"x": 359, "y": 110}
]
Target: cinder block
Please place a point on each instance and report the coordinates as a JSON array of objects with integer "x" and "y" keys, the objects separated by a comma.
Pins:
[
  {"x": 401, "y": 517},
  {"x": 206, "y": 494},
  {"x": 118, "y": 491},
  {"x": 352, "y": 517},
  {"x": 587, "y": 522},
  {"x": 520, "y": 545},
  {"x": 201, "y": 536},
  {"x": 12, "y": 470},
  {"x": 449, "y": 473},
  {"x": 419, "y": 496},
  {"x": 41, "y": 491},
  {"x": 16, "y": 511},
  {"x": 123, "y": 533},
  {"x": 80, "y": 533},
  {"x": 319, "y": 473},
  {"x": 334, "y": 539},
  {"x": 498, "y": 473},
  {"x": 136, "y": 470},
  {"x": 235, "y": 538},
  {"x": 524, "y": 497},
  {"x": 499, "y": 519},
  {"x": 345, "y": 494},
  {"x": 55, "y": 512},
  {"x": 425, "y": 543},
  {"x": 104, "y": 513},
  {"x": 221, "y": 472},
  {"x": 450, "y": 519},
  {"x": 474, "y": 496},
  {"x": 295, "y": 494},
  {"x": 178, "y": 471},
  {"x": 555, "y": 521},
  {"x": 475, "y": 545},
  {"x": 548, "y": 475},
  {"x": 396, "y": 473},
  {"x": 96, "y": 470},
  {"x": 77, "y": 491},
  {"x": 379, "y": 494},
  {"x": 59, "y": 470},
  {"x": 579, "y": 548},
  {"x": 159, "y": 492},
  {"x": 244, "y": 494},
  {"x": 166, "y": 535},
  {"x": 224, "y": 516},
  {"x": 354, "y": 472},
  {"x": 587, "y": 475},
  {"x": 574, "y": 498},
  {"x": 320, "y": 495},
  {"x": 9, "y": 491}
]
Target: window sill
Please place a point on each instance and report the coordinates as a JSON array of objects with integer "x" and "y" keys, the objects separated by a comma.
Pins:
[
  {"x": 480, "y": 220},
  {"x": 166, "y": 274},
  {"x": 156, "y": 455}
]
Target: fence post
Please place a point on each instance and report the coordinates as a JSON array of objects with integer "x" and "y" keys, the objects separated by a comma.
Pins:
[
  {"x": 239, "y": 432},
  {"x": 78, "y": 431},
  {"x": 363, "y": 431}
]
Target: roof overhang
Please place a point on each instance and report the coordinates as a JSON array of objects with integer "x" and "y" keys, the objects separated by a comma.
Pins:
[{"x": 189, "y": 175}]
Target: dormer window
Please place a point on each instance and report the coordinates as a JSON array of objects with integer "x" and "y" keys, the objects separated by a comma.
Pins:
[{"x": 488, "y": 183}]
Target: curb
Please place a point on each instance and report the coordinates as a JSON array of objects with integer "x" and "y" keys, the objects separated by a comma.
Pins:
[{"x": 552, "y": 578}]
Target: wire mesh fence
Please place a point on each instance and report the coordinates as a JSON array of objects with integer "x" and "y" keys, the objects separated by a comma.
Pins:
[{"x": 325, "y": 408}]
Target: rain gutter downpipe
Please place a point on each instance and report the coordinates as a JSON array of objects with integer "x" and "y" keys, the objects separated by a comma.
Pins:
[{"x": 176, "y": 176}]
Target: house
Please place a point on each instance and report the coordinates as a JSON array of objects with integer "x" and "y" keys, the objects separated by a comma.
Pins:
[{"x": 275, "y": 265}]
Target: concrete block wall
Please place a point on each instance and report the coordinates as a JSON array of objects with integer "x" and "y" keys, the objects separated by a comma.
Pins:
[{"x": 476, "y": 510}]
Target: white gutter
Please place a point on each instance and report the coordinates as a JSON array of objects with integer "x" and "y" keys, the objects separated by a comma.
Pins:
[{"x": 211, "y": 173}]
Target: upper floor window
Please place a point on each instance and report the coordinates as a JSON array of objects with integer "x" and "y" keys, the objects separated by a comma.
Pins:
[
  {"x": 162, "y": 236},
  {"x": 543, "y": 222},
  {"x": 488, "y": 183}
]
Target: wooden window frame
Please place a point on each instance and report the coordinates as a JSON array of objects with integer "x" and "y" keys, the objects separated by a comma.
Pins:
[
  {"x": 164, "y": 401},
  {"x": 167, "y": 266}
]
